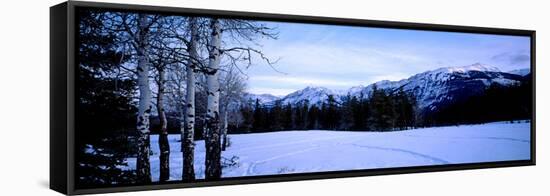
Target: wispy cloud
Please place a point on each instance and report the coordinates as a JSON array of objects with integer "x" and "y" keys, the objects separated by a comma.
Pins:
[
  {"x": 340, "y": 57},
  {"x": 301, "y": 81},
  {"x": 272, "y": 91},
  {"x": 521, "y": 58}
]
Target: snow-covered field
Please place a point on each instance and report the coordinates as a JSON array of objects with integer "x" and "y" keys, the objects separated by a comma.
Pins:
[{"x": 316, "y": 151}]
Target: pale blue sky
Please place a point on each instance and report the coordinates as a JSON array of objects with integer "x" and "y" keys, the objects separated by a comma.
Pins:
[{"x": 339, "y": 57}]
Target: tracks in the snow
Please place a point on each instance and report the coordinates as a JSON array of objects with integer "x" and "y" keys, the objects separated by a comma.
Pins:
[
  {"x": 250, "y": 170},
  {"x": 252, "y": 166},
  {"x": 416, "y": 154}
]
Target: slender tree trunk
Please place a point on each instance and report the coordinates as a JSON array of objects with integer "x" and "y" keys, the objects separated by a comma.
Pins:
[
  {"x": 182, "y": 126},
  {"x": 188, "y": 173},
  {"x": 212, "y": 141},
  {"x": 144, "y": 109},
  {"x": 224, "y": 129},
  {"x": 164, "y": 146}
]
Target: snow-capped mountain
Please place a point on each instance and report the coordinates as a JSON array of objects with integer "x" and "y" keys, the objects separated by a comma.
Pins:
[
  {"x": 262, "y": 98},
  {"x": 521, "y": 72},
  {"x": 315, "y": 95},
  {"x": 432, "y": 89},
  {"x": 438, "y": 87}
]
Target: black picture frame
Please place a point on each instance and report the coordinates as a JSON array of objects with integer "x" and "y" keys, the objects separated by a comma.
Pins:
[{"x": 63, "y": 85}]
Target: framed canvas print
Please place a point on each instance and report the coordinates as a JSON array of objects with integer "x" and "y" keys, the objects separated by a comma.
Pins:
[{"x": 146, "y": 97}]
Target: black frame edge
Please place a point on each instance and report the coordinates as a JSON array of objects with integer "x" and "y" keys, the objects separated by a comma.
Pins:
[
  {"x": 71, "y": 91},
  {"x": 309, "y": 176},
  {"x": 70, "y": 70},
  {"x": 301, "y": 18},
  {"x": 534, "y": 94},
  {"x": 58, "y": 98}
]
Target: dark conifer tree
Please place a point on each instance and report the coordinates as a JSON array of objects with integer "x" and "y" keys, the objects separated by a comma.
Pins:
[
  {"x": 305, "y": 115},
  {"x": 276, "y": 117},
  {"x": 287, "y": 117},
  {"x": 347, "y": 120},
  {"x": 248, "y": 119},
  {"x": 313, "y": 114},
  {"x": 257, "y": 123},
  {"x": 298, "y": 116},
  {"x": 106, "y": 117},
  {"x": 332, "y": 113}
]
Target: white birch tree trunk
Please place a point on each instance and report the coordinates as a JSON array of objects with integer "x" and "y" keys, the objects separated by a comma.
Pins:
[
  {"x": 188, "y": 133},
  {"x": 164, "y": 145},
  {"x": 144, "y": 108},
  {"x": 224, "y": 128},
  {"x": 212, "y": 140}
]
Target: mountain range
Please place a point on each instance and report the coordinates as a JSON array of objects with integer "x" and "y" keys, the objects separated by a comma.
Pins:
[{"x": 431, "y": 89}]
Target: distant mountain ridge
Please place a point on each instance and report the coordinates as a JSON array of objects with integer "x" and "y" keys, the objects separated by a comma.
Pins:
[
  {"x": 262, "y": 98},
  {"x": 314, "y": 95},
  {"x": 431, "y": 89}
]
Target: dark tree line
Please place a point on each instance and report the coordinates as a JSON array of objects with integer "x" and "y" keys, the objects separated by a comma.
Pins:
[
  {"x": 387, "y": 111},
  {"x": 381, "y": 111},
  {"x": 497, "y": 103}
]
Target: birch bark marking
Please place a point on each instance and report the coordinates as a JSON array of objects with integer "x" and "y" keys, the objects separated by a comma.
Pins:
[
  {"x": 144, "y": 108},
  {"x": 188, "y": 133},
  {"x": 212, "y": 141},
  {"x": 163, "y": 136}
]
